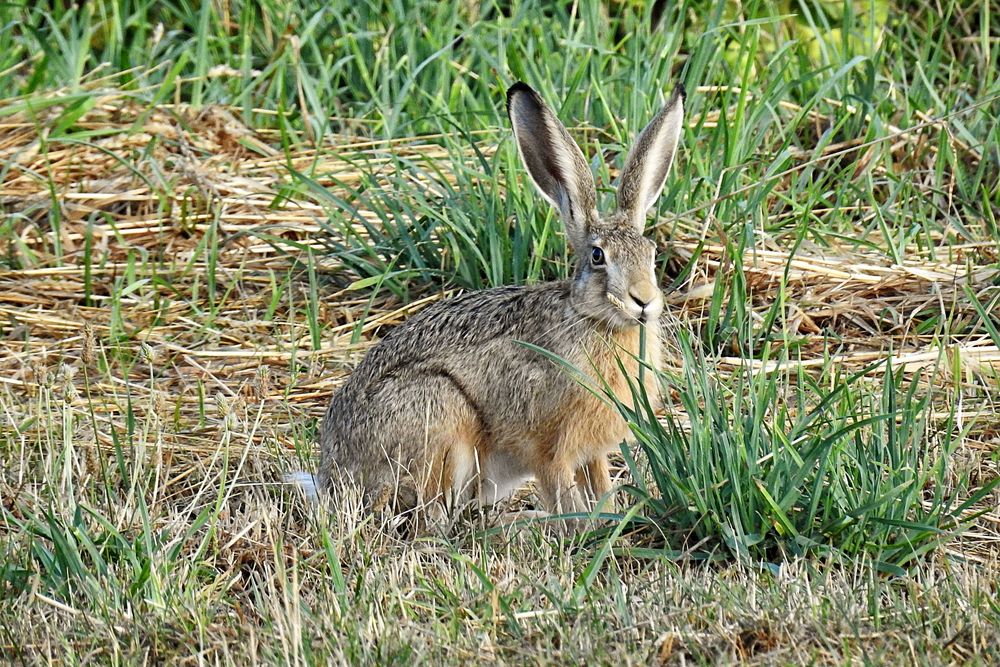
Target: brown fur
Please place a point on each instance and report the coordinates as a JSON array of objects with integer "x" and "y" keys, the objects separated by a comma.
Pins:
[{"x": 453, "y": 406}]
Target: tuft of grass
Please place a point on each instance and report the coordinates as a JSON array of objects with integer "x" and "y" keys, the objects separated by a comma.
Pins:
[{"x": 783, "y": 464}]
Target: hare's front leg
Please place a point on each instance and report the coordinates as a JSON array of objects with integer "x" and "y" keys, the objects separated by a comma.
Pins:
[
  {"x": 561, "y": 493},
  {"x": 594, "y": 478}
]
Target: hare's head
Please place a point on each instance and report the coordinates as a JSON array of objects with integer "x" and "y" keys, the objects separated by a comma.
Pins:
[{"x": 614, "y": 280}]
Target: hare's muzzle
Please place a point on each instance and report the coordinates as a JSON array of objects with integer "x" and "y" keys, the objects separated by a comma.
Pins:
[{"x": 646, "y": 301}]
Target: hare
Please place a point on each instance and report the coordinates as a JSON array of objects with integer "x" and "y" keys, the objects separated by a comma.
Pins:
[{"x": 452, "y": 406}]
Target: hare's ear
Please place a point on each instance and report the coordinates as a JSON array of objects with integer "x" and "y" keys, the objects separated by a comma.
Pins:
[
  {"x": 554, "y": 161},
  {"x": 649, "y": 160}
]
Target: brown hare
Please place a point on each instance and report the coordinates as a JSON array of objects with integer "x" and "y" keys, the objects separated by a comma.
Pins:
[{"x": 452, "y": 406}]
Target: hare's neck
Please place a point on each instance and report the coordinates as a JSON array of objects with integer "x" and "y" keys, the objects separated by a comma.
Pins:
[
  {"x": 629, "y": 341},
  {"x": 608, "y": 352},
  {"x": 614, "y": 346}
]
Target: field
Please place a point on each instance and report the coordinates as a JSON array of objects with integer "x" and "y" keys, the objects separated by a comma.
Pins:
[{"x": 211, "y": 210}]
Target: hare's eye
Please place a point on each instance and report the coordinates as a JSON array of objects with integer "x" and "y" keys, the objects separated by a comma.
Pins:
[{"x": 597, "y": 256}]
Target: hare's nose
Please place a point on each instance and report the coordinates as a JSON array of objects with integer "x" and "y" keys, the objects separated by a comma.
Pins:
[{"x": 641, "y": 295}]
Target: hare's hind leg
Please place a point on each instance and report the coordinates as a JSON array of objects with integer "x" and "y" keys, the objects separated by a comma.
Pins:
[
  {"x": 411, "y": 443},
  {"x": 440, "y": 435},
  {"x": 449, "y": 475}
]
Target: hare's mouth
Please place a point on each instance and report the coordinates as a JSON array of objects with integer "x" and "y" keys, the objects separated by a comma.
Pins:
[
  {"x": 623, "y": 308},
  {"x": 632, "y": 314}
]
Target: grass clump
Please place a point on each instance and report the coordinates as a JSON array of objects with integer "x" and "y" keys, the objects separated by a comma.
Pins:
[{"x": 779, "y": 464}]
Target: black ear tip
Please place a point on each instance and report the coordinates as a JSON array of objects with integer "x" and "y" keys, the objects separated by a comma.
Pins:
[
  {"x": 518, "y": 88},
  {"x": 680, "y": 91}
]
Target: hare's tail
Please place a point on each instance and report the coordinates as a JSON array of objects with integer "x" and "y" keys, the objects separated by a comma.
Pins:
[{"x": 306, "y": 481}]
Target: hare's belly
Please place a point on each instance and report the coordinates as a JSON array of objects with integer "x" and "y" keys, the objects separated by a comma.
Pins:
[
  {"x": 486, "y": 476},
  {"x": 501, "y": 476}
]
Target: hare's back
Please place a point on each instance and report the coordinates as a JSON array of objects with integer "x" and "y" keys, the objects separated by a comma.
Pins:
[{"x": 469, "y": 324}]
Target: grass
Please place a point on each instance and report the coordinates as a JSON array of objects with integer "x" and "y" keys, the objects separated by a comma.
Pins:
[
  {"x": 783, "y": 465},
  {"x": 212, "y": 209}
]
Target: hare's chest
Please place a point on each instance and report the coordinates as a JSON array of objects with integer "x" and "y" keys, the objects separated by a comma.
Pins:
[
  {"x": 595, "y": 419},
  {"x": 596, "y": 426}
]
